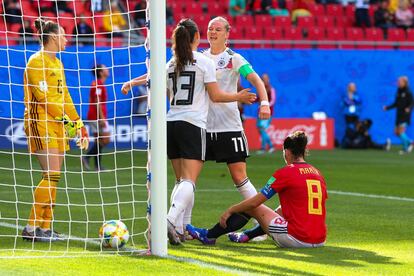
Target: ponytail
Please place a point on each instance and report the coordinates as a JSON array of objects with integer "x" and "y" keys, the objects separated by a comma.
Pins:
[
  {"x": 44, "y": 28},
  {"x": 182, "y": 38}
]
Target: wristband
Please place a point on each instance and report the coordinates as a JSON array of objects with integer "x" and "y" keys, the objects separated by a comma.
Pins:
[{"x": 263, "y": 103}]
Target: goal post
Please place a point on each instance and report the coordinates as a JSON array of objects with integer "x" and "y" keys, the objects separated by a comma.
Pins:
[{"x": 158, "y": 127}]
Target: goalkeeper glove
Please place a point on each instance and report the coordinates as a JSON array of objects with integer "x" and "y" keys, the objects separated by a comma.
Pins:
[
  {"x": 82, "y": 140},
  {"x": 70, "y": 127}
]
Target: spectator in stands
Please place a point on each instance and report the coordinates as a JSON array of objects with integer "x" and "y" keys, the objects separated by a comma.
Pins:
[
  {"x": 47, "y": 6},
  {"x": 383, "y": 18},
  {"x": 351, "y": 104},
  {"x": 62, "y": 6},
  {"x": 301, "y": 8},
  {"x": 83, "y": 32},
  {"x": 140, "y": 14},
  {"x": 12, "y": 11},
  {"x": 362, "y": 13},
  {"x": 96, "y": 5},
  {"x": 113, "y": 21},
  {"x": 27, "y": 33},
  {"x": 404, "y": 16},
  {"x": 237, "y": 7}
]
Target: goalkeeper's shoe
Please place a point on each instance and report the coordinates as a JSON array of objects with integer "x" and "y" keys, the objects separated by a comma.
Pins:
[
  {"x": 172, "y": 234},
  {"x": 238, "y": 237},
  {"x": 31, "y": 235},
  {"x": 49, "y": 236},
  {"x": 200, "y": 234}
]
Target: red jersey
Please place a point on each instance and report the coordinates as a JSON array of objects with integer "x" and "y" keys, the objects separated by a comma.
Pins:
[
  {"x": 302, "y": 195},
  {"x": 97, "y": 95}
]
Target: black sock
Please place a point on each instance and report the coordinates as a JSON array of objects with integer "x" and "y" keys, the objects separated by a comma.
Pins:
[
  {"x": 234, "y": 222},
  {"x": 255, "y": 232}
]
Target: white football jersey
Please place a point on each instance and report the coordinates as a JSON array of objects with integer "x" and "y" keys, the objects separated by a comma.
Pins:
[
  {"x": 223, "y": 117},
  {"x": 189, "y": 100}
]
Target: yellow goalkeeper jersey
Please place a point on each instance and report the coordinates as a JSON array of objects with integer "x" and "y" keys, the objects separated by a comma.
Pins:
[{"x": 46, "y": 95}]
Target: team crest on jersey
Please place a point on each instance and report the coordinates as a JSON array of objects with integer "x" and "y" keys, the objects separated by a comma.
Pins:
[{"x": 225, "y": 63}]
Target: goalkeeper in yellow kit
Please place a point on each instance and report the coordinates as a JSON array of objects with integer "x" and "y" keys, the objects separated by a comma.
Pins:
[{"x": 50, "y": 121}]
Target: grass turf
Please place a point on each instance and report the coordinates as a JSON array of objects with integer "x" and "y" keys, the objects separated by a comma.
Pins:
[{"x": 367, "y": 236}]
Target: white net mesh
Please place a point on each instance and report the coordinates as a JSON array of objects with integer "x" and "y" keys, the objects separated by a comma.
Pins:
[{"x": 98, "y": 32}]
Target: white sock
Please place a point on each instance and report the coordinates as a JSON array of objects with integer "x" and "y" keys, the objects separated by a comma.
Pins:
[
  {"x": 30, "y": 228},
  {"x": 187, "y": 213},
  {"x": 177, "y": 183},
  {"x": 246, "y": 189},
  {"x": 182, "y": 197}
]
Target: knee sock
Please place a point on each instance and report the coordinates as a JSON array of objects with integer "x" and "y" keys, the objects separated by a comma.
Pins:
[
  {"x": 98, "y": 157},
  {"x": 188, "y": 212},
  {"x": 182, "y": 198},
  {"x": 265, "y": 139},
  {"x": 255, "y": 232},
  {"x": 44, "y": 198},
  {"x": 405, "y": 140},
  {"x": 246, "y": 188},
  {"x": 234, "y": 222}
]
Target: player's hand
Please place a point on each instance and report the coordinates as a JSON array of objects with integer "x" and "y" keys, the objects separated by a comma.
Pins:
[
  {"x": 244, "y": 96},
  {"x": 70, "y": 126},
  {"x": 82, "y": 140},
  {"x": 407, "y": 110},
  {"x": 126, "y": 87},
  {"x": 224, "y": 217},
  {"x": 102, "y": 123},
  {"x": 264, "y": 112}
]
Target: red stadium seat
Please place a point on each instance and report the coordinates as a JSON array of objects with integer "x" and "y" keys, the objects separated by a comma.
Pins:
[
  {"x": 215, "y": 9},
  {"x": 293, "y": 34},
  {"x": 263, "y": 20},
  {"x": 410, "y": 39},
  {"x": 305, "y": 22},
  {"x": 372, "y": 35},
  {"x": 350, "y": 11},
  {"x": 244, "y": 20},
  {"x": 193, "y": 9},
  {"x": 254, "y": 33},
  {"x": 395, "y": 35},
  {"x": 352, "y": 35},
  {"x": 316, "y": 10},
  {"x": 282, "y": 22},
  {"x": 237, "y": 34},
  {"x": 273, "y": 34},
  {"x": 67, "y": 21},
  {"x": 334, "y": 10},
  {"x": 334, "y": 34},
  {"x": 315, "y": 35},
  {"x": 344, "y": 22},
  {"x": 176, "y": 7},
  {"x": 325, "y": 21}
]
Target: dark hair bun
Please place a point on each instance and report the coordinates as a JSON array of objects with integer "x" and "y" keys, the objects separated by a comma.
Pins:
[
  {"x": 296, "y": 143},
  {"x": 40, "y": 25}
]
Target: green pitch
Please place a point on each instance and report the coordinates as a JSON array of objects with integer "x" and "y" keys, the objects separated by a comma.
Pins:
[{"x": 370, "y": 219}]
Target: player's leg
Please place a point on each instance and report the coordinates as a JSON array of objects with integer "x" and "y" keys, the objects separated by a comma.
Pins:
[
  {"x": 405, "y": 140},
  {"x": 93, "y": 149},
  {"x": 240, "y": 179}
]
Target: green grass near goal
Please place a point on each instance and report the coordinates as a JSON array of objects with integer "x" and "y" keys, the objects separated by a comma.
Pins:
[{"x": 366, "y": 235}]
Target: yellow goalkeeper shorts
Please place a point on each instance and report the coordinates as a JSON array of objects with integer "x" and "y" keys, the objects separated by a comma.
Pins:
[{"x": 42, "y": 135}]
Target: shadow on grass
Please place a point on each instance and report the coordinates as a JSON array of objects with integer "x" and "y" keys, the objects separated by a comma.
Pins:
[{"x": 328, "y": 255}]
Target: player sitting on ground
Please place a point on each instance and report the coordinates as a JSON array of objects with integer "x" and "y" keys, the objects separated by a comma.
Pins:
[{"x": 299, "y": 221}]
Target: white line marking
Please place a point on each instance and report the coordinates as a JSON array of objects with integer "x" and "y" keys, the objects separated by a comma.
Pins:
[
  {"x": 127, "y": 249},
  {"x": 372, "y": 196}
]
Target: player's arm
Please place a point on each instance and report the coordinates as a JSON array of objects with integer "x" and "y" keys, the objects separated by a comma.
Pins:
[
  {"x": 391, "y": 106},
  {"x": 217, "y": 95},
  {"x": 37, "y": 82},
  {"x": 254, "y": 79},
  {"x": 141, "y": 80}
]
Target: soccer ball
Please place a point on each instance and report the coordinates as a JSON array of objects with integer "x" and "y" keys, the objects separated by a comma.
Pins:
[{"x": 114, "y": 234}]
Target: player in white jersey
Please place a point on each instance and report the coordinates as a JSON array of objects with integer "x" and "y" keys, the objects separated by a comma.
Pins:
[
  {"x": 191, "y": 84},
  {"x": 226, "y": 141}
]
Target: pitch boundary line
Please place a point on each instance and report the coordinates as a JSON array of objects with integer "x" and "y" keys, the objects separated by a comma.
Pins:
[{"x": 127, "y": 249}]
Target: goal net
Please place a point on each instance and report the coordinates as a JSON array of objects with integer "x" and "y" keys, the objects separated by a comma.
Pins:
[{"x": 112, "y": 33}]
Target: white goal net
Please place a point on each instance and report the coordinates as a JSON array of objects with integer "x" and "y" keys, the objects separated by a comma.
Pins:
[{"x": 103, "y": 32}]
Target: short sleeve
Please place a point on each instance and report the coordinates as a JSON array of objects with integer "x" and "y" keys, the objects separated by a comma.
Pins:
[
  {"x": 241, "y": 65},
  {"x": 267, "y": 190},
  {"x": 276, "y": 183},
  {"x": 209, "y": 71}
]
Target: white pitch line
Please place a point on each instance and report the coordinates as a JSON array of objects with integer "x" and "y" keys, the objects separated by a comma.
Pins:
[{"x": 132, "y": 250}]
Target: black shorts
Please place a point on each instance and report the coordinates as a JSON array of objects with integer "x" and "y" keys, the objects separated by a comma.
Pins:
[
  {"x": 229, "y": 147},
  {"x": 185, "y": 140}
]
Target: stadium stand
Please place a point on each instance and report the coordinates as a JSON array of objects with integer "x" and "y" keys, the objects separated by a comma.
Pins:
[{"x": 329, "y": 26}]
